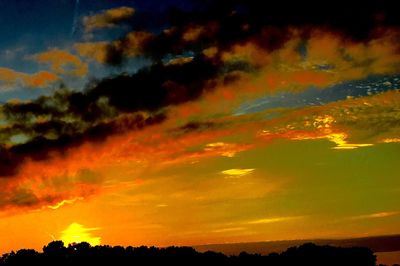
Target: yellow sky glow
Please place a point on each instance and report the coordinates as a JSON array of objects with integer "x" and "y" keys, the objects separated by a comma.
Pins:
[{"x": 77, "y": 233}]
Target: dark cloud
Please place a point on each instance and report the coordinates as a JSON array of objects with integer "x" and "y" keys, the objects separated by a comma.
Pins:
[
  {"x": 65, "y": 136},
  {"x": 267, "y": 23},
  {"x": 23, "y": 197},
  {"x": 157, "y": 87},
  {"x": 196, "y": 126},
  {"x": 20, "y": 197},
  {"x": 87, "y": 176},
  {"x": 53, "y": 124}
]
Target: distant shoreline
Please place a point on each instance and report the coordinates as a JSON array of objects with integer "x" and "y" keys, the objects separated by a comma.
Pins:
[
  {"x": 384, "y": 243},
  {"x": 386, "y": 248}
]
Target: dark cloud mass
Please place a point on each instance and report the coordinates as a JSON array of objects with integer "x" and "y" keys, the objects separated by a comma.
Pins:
[
  {"x": 111, "y": 106},
  {"x": 267, "y": 23},
  {"x": 128, "y": 102}
]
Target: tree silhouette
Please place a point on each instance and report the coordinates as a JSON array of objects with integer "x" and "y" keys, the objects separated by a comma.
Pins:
[{"x": 55, "y": 253}]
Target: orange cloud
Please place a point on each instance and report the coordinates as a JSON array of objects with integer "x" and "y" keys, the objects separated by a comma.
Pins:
[
  {"x": 60, "y": 179},
  {"x": 132, "y": 45},
  {"x": 296, "y": 80},
  {"x": 349, "y": 124},
  {"x": 96, "y": 51},
  {"x": 350, "y": 60},
  {"x": 180, "y": 60},
  {"x": 10, "y": 79},
  {"x": 41, "y": 79},
  {"x": 63, "y": 179},
  {"x": 248, "y": 52},
  {"x": 193, "y": 33},
  {"x": 327, "y": 58},
  {"x": 62, "y": 62},
  {"x": 225, "y": 149},
  {"x": 210, "y": 52},
  {"x": 108, "y": 18}
]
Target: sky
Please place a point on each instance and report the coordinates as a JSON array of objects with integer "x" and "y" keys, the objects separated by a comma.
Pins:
[{"x": 197, "y": 122}]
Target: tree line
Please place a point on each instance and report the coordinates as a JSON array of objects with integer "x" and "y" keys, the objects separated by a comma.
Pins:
[{"x": 56, "y": 253}]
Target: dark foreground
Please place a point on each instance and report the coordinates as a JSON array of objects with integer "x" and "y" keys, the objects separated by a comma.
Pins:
[
  {"x": 385, "y": 243},
  {"x": 83, "y": 254}
]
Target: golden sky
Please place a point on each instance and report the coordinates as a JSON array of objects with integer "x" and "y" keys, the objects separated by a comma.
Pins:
[{"x": 269, "y": 135}]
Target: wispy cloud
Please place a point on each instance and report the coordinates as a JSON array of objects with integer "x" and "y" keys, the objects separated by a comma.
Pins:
[
  {"x": 376, "y": 215},
  {"x": 107, "y": 19},
  {"x": 273, "y": 220},
  {"x": 236, "y": 173},
  {"x": 229, "y": 229},
  {"x": 225, "y": 149},
  {"x": 11, "y": 79},
  {"x": 62, "y": 62},
  {"x": 63, "y": 202}
]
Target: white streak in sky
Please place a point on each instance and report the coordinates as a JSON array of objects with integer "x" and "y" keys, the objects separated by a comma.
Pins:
[{"x": 75, "y": 19}]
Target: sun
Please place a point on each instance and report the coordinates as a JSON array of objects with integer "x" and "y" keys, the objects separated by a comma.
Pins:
[{"x": 77, "y": 233}]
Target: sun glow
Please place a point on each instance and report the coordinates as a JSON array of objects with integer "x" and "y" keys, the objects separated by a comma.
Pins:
[{"x": 77, "y": 233}]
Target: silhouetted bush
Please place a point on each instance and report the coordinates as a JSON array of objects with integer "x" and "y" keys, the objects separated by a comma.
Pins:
[{"x": 55, "y": 253}]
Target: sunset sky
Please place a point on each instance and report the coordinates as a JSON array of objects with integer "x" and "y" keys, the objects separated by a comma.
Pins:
[{"x": 191, "y": 122}]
